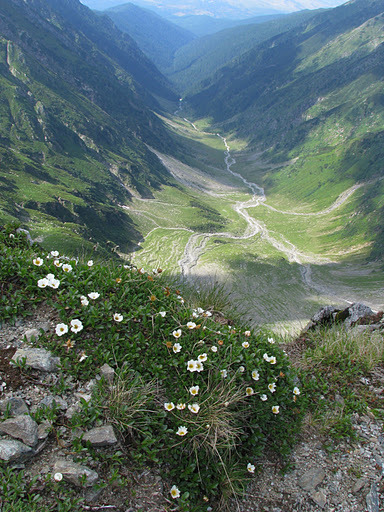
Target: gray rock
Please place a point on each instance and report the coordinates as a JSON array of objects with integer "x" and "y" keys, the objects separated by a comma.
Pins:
[
  {"x": 52, "y": 401},
  {"x": 319, "y": 498},
  {"x": 14, "y": 406},
  {"x": 32, "y": 335},
  {"x": 324, "y": 315},
  {"x": 22, "y": 427},
  {"x": 356, "y": 311},
  {"x": 107, "y": 372},
  {"x": 11, "y": 451},
  {"x": 372, "y": 499},
  {"x": 101, "y": 436},
  {"x": 74, "y": 473},
  {"x": 358, "y": 485},
  {"x": 311, "y": 479},
  {"x": 37, "y": 358}
]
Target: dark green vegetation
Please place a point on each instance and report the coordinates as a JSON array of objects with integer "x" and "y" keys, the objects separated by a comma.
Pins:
[
  {"x": 158, "y": 38},
  {"x": 312, "y": 96},
  {"x": 76, "y": 95},
  {"x": 235, "y": 390}
]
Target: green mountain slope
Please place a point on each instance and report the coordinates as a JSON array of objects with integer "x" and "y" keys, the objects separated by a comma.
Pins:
[
  {"x": 157, "y": 38},
  {"x": 202, "y": 57},
  {"x": 74, "y": 123},
  {"x": 313, "y": 96}
]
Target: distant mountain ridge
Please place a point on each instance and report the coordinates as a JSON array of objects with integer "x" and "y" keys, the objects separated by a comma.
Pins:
[{"x": 157, "y": 37}]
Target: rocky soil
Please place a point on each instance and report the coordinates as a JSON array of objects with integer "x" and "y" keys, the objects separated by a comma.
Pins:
[{"x": 322, "y": 475}]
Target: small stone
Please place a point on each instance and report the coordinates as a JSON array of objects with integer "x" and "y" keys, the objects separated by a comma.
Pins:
[
  {"x": 311, "y": 479},
  {"x": 38, "y": 358},
  {"x": 319, "y": 498},
  {"x": 74, "y": 473},
  {"x": 101, "y": 436},
  {"x": 52, "y": 401},
  {"x": 43, "y": 430},
  {"x": 31, "y": 335},
  {"x": 107, "y": 372},
  {"x": 372, "y": 499},
  {"x": 11, "y": 451},
  {"x": 22, "y": 427},
  {"x": 15, "y": 406},
  {"x": 358, "y": 485}
]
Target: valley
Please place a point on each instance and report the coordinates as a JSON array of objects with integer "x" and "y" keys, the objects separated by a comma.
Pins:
[{"x": 269, "y": 260}]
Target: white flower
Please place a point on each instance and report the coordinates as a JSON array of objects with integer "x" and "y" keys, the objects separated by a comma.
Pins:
[
  {"x": 43, "y": 283},
  {"x": 61, "y": 329},
  {"x": 90, "y": 263},
  {"x": 54, "y": 283},
  {"x": 54, "y": 254},
  {"x": 207, "y": 313},
  {"x": 195, "y": 315},
  {"x": 296, "y": 391},
  {"x": 191, "y": 325},
  {"x": 200, "y": 311},
  {"x": 169, "y": 406},
  {"x": 175, "y": 493},
  {"x": 67, "y": 267},
  {"x": 94, "y": 295},
  {"x": 117, "y": 317},
  {"x": 50, "y": 277},
  {"x": 58, "y": 477},
  {"x": 195, "y": 408},
  {"x": 57, "y": 263},
  {"x": 84, "y": 300},
  {"x": 76, "y": 325},
  {"x": 82, "y": 356},
  {"x": 247, "y": 333},
  {"x": 249, "y": 391},
  {"x": 38, "y": 262},
  {"x": 191, "y": 365},
  {"x": 194, "y": 390},
  {"x": 177, "y": 333},
  {"x": 142, "y": 271},
  {"x": 263, "y": 398},
  {"x": 245, "y": 344},
  {"x": 180, "y": 406},
  {"x": 272, "y": 360},
  {"x": 199, "y": 366},
  {"x": 272, "y": 387},
  {"x": 11, "y": 235},
  {"x": 214, "y": 348},
  {"x": 271, "y": 340},
  {"x": 162, "y": 313},
  {"x": 176, "y": 348},
  {"x": 255, "y": 375},
  {"x": 181, "y": 431},
  {"x": 202, "y": 357},
  {"x": 223, "y": 373},
  {"x": 250, "y": 467},
  {"x": 241, "y": 369},
  {"x": 275, "y": 409}
]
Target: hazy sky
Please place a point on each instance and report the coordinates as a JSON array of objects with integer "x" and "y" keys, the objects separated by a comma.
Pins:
[{"x": 213, "y": 5}]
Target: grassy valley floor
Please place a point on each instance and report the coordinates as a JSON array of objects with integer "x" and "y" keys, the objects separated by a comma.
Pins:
[{"x": 279, "y": 259}]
